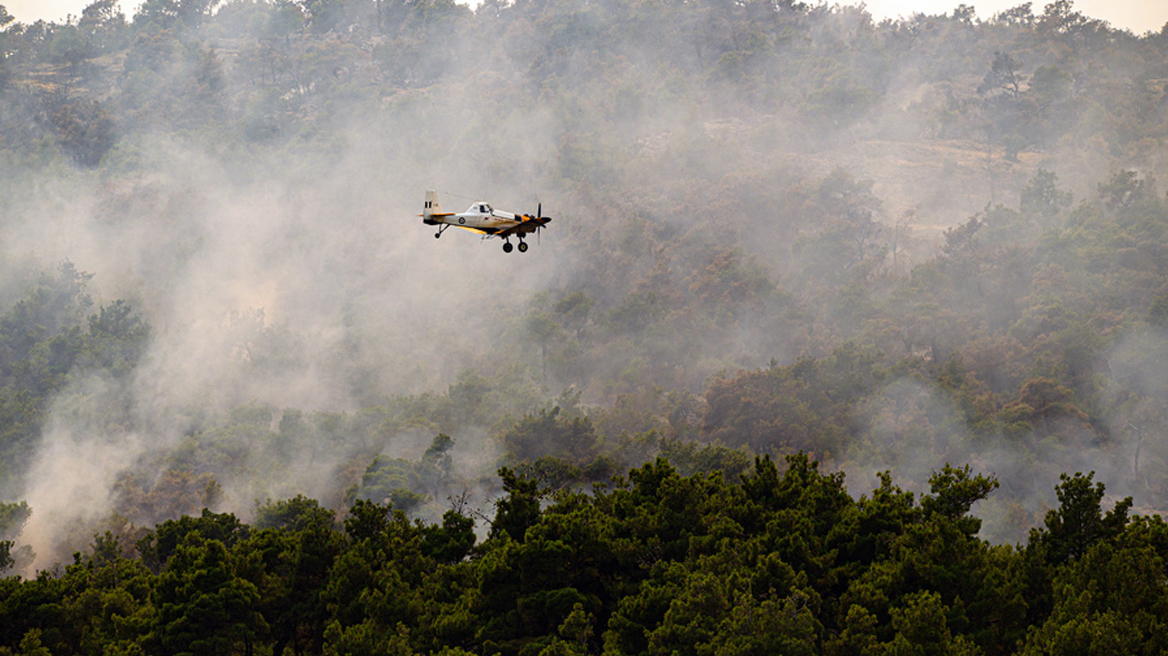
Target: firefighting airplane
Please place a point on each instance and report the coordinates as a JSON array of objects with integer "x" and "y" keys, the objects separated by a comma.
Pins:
[{"x": 485, "y": 220}]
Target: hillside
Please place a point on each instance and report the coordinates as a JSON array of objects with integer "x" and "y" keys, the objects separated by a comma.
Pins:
[{"x": 780, "y": 229}]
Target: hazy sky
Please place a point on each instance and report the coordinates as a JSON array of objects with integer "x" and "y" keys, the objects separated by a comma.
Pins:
[{"x": 1139, "y": 16}]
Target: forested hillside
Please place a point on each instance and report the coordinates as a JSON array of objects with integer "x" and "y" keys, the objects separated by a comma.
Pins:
[
  {"x": 864, "y": 318},
  {"x": 656, "y": 563}
]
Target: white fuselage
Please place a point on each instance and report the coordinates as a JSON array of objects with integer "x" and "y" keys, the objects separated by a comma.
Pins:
[{"x": 483, "y": 217}]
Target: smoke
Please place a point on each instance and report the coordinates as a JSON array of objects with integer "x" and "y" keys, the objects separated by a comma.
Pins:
[
  {"x": 1137, "y": 393},
  {"x": 913, "y": 429},
  {"x": 909, "y": 428},
  {"x": 273, "y": 284},
  {"x": 293, "y": 275},
  {"x": 71, "y": 484}
]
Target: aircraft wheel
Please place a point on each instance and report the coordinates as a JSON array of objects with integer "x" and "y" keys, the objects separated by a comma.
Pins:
[
  {"x": 507, "y": 247},
  {"x": 522, "y": 247},
  {"x": 437, "y": 235}
]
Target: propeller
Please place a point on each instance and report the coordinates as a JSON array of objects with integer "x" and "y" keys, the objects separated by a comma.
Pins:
[{"x": 540, "y": 221}]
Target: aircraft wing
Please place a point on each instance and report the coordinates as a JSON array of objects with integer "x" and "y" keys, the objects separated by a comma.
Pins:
[
  {"x": 521, "y": 228},
  {"x": 474, "y": 230}
]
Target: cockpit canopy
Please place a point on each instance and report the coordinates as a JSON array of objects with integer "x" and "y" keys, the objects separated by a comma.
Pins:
[{"x": 480, "y": 207}]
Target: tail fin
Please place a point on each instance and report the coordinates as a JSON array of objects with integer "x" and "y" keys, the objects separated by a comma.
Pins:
[{"x": 432, "y": 206}]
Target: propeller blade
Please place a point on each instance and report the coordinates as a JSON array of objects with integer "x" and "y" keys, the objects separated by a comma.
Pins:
[{"x": 539, "y": 211}]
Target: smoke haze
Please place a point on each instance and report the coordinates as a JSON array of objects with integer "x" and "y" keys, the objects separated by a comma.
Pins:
[{"x": 717, "y": 206}]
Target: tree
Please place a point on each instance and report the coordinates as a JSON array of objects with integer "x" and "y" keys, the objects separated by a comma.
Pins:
[
  {"x": 69, "y": 45},
  {"x": 116, "y": 340},
  {"x": 1110, "y": 600},
  {"x": 954, "y": 491},
  {"x": 13, "y": 517},
  {"x": 805, "y": 406},
  {"x": 550, "y": 434},
  {"x": 160, "y": 13},
  {"x": 1059, "y": 17},
  {"x": 436, "y": 461},
  {"x": 290, "y": 567},
  {"x": 1009, "y": 114},
  {"x": 1020, "y": 15},
  {"x": 398, "y": 481},
  {"x": 961, "y": 239},
  {"x": 450, "y": 542},
  {"x": 518, "y": 510},
  {"x": 1124, "y": 189},
  {"x": 100, "y": 14},
  {"x": 85, "y": 130},
  {"x": 157, "y": 546},
  {"x": 965, "y": 14},
  {"x": 165, "y": 14},
  {"x": 203, "y": 607},
  {"x": 295, "y": 514},
  {"x": 1042, "y": 199},
  {"x": 841, "y": 231},
  {"x": 1003, "y": 75},
  {"x": 106, "y": 601},
  {"x": 194, "y": 12},
  {"x": 1079, "y": 522},
  {"x": 573, "y": 311},
  {"x": 921, "y": 628}
]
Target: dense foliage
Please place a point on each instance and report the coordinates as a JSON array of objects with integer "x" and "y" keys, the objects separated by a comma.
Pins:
[{"x": 782, "y": 560}]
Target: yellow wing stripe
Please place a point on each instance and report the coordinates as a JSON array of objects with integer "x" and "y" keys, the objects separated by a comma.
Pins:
[{"x": 469, "y": 229}]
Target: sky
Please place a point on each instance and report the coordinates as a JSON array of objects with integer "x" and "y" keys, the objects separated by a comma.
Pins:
[{"x": 1139, "y": 16}]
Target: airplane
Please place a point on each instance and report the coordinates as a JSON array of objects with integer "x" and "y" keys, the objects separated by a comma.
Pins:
[{"x": 485, "y": 220}]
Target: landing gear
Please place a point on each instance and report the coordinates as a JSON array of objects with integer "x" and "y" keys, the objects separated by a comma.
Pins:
[
  {"x": 507, "y": 247},
  {"x": 441, "y": 229},
  {"x": 522, "y": 247}
]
